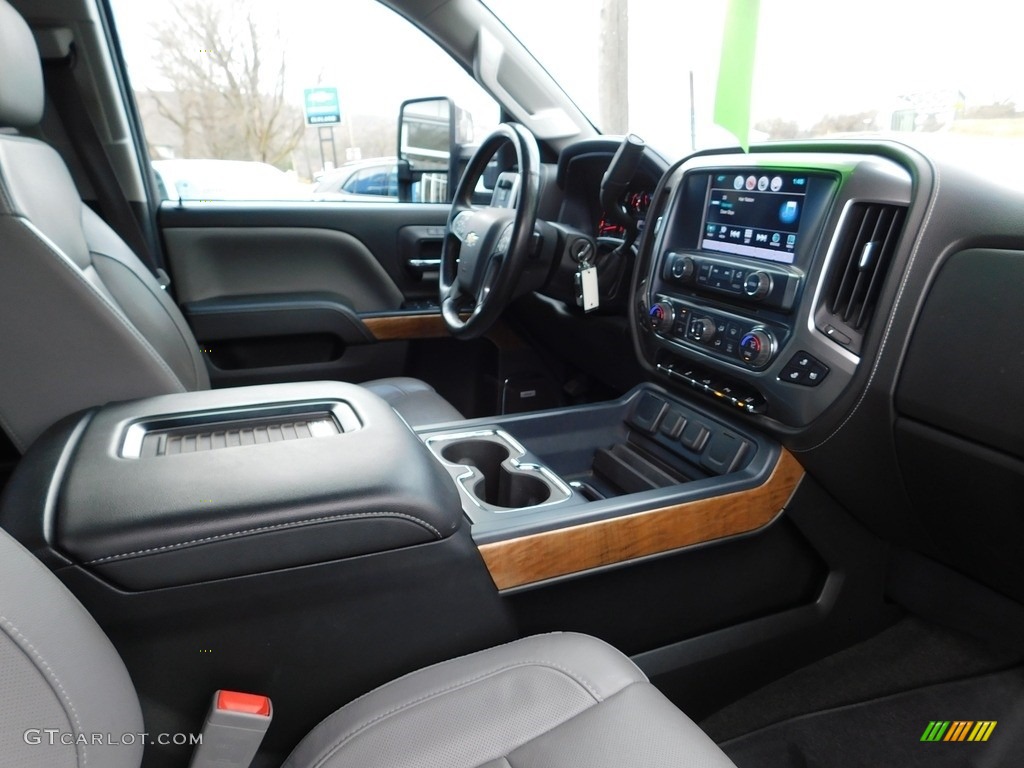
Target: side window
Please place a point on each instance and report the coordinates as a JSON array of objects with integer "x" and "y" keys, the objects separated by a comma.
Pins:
[{"x": 264, "y": 101}]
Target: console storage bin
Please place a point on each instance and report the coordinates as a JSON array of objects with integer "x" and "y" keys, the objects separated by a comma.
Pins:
[{"x": 194, "y": 487}]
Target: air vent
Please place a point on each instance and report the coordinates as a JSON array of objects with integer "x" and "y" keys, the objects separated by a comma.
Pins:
[{"x": 864, "y": 250}]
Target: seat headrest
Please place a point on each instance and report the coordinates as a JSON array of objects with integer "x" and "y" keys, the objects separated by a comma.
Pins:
[{"x": 21, "y": 73}]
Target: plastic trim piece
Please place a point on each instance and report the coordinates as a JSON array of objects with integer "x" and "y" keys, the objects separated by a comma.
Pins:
[
  {"x": 468, "y": 477},
  {"x": 338, "y": 415}
]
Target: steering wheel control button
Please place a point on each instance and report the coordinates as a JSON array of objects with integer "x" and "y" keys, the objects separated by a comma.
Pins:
[
  {"x": 504, "y": 241},
  {"x": 757, "y": 347},
  {"x": 460, "y": 225},
  {"x": 805, "y": 370},
  {"x": 648, "y": 413}
]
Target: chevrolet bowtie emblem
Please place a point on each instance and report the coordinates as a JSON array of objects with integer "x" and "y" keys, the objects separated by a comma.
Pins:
[{"x": 472, "y": 239}]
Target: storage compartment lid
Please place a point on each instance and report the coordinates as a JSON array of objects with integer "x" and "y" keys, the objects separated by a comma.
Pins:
[{"x": 191, "y": 487}]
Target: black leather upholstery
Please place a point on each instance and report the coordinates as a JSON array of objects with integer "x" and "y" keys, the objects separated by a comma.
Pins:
[
  {"x": 415, "y": 400},
  {"x": 84, "y": 321},
  {"x": 374, "y": 488}
]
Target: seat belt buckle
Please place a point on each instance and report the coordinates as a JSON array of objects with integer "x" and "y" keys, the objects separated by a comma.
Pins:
[
  {"x": 233, "y": 730},
  {"x": 163, "y": 278}
]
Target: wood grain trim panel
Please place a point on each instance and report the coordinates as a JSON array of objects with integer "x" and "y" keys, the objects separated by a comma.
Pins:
[
  {"x": 412, "y": 327},
  {"x": 540, "y": 556},
  {"x": 406, "y": 327}
]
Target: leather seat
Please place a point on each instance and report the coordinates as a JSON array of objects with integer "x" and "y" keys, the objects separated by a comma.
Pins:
[
  {"x": 84, "y": 321},
  {"x": 550, "y": 700}
]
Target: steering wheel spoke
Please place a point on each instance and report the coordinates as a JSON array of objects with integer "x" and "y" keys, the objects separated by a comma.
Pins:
[{"x": 486, "y": 248}]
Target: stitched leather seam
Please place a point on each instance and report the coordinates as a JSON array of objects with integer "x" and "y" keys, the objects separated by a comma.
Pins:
[
  {"x": 576, "y": 678},
  {"x": 184, "y": 340},
  {"x": 266, "y": 528},
  {"x": 22, "y": 642},
  {"x": 572, "y": 717}
]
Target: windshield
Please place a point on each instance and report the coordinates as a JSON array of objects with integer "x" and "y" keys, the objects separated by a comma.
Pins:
[{"x": 821, "y": 68}]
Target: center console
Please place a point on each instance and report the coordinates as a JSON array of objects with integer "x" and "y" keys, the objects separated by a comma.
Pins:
[
  {"x": 761, "y": 273},
  {"x": 563, "y": 492},
  {"x": 270, "y": 539},
  {"x": 287, "y": 527}
]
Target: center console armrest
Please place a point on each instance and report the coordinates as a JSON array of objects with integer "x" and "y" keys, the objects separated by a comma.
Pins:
[{"x": 197, "y": 486}]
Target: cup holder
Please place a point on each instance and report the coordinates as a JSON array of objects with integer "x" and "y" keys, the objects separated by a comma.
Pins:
[
  {"x": 498, "y": 485},
  {"x": 485, "y": 455},
  {"x": 497, "y": 478}
]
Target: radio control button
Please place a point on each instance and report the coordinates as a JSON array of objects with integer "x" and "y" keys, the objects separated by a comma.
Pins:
[
  {"x": 757, "y": 285},
  {"x": 682, "y": 267}
]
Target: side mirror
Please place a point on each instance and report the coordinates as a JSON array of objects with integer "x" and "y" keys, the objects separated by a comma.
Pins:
[{"x": 427, "y": 149}]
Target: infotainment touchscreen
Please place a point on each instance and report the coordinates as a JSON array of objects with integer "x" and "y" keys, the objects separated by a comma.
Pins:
[{"x": 754, "y": 213}]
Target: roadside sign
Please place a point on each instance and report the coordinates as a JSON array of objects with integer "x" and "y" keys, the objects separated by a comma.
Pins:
[{"x": 322, "y": 106}]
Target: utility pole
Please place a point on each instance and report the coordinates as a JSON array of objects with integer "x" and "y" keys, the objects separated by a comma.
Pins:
[{"x": 613, "y": 67}]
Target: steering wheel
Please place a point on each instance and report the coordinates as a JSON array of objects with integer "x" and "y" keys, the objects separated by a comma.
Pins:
[{"x": 486, "y": 247}]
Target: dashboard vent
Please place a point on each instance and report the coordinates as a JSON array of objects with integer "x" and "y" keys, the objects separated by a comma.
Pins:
[{"x": 865, "y": 248}]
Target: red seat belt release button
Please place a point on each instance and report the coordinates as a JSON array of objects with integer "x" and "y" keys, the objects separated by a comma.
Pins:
[
  {"x": 233, "y": 731},
  {"x": 248, "y": 703}
]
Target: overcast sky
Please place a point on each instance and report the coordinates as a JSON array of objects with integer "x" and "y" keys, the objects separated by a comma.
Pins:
[{"x": 813, "y": 56}]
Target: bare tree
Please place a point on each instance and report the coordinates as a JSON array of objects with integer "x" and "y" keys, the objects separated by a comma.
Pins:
[{"x": 227, "y": 84}]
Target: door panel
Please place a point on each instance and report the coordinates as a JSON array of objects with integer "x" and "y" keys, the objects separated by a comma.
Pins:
[
  {"x": 364, "y": 228},
  {"x": 302, "y": 291},
  {"x": 218, "y": 262}
]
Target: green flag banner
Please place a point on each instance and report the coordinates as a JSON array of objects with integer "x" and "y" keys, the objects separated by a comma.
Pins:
[{"x": 736, "y": 70}]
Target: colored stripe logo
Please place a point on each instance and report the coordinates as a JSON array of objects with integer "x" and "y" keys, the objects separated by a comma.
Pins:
[{"x": 959, "y": 730}]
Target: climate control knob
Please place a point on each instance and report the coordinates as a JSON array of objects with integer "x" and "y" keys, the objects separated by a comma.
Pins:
[
  {"x": 757, "y": 347},
  {"x": 682, "y": 267},
  {"x": 702, "y": 329},
  {"x": 661, "y": 316},
  {"x": 757, "y": 285}
]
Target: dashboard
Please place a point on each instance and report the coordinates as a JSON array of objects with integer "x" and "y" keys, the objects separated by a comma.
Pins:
[{"x": 860, "y": 302}]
